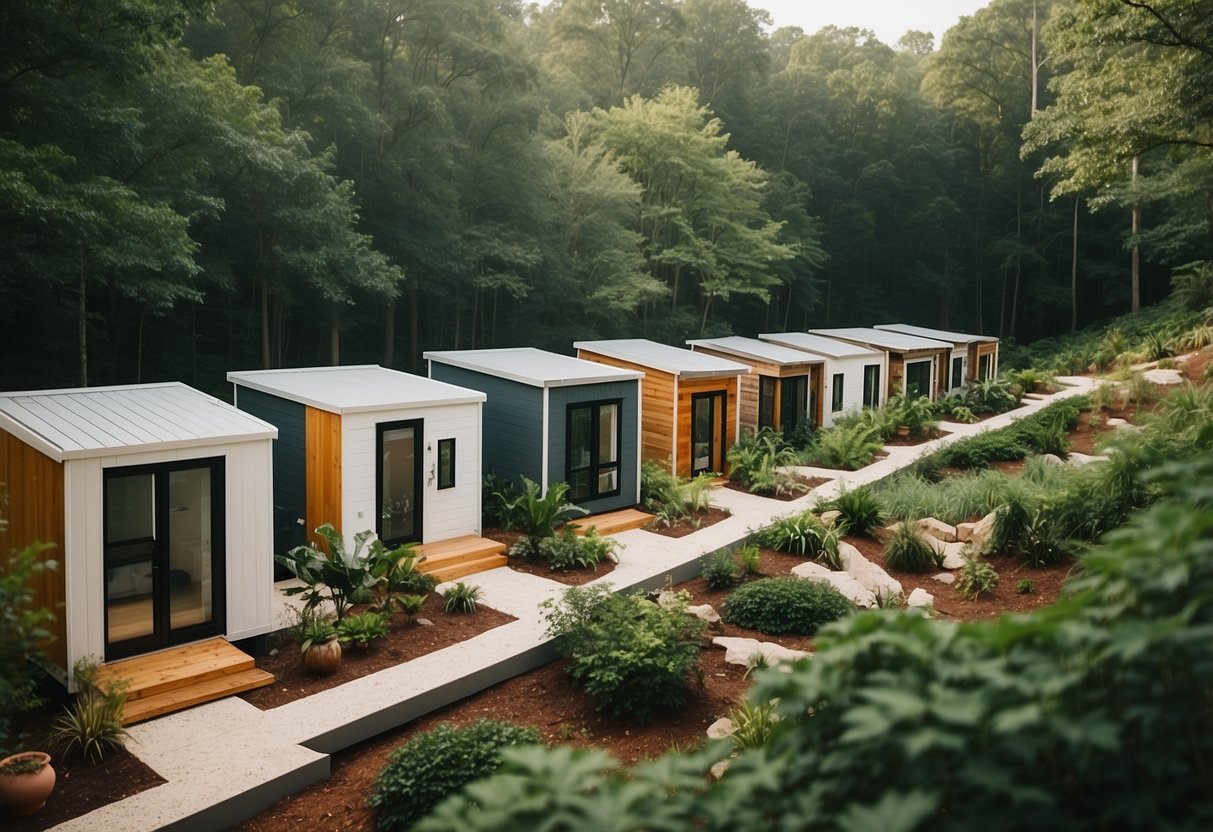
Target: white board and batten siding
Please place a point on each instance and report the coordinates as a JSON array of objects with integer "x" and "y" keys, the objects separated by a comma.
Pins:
[{"x": 841, "y": 358}]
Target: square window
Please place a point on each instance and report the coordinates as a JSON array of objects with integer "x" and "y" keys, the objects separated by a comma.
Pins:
[{"x": 446, "y": 463}]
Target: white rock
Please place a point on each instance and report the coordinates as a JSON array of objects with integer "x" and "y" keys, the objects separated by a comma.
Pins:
[
  {"x": 844, "y": 582},
  {"x": 953, "y": 555},
  {"x": 1165, "y": 377},
  {"x": 743, "y": 650},
  {"x": 944, "y": 578},
  {"x": 1052, "y": 459},
  {"x": 983, "y": 533},
  {"x": 964, "y": 531},
  {"x": 721, "y": 728},
  {"x": 829, "y": 518},
  {"x": 1118, "y": 423},
  {"x": 937, "y": 545},
  {"x": 718, "y": 769},
  {"x": 1077, "y": 460},
  {"x": 424, "y": 622},
  {"x": 877, "y": 581},
  {"x": 936, "y": 528},
  {"x": 705, "y": 612},
  {"x": 920, "y": 598}
]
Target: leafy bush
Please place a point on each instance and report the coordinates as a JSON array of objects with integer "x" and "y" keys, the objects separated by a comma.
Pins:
[
  {"x": 93, "y": 722},
  {"x": 800, "y": 534},
  {"x": 672, "y": 498},
  {"x": 1192, "y": 284},
  {"x": 907, "y": 551},
  {"x": 437, "y": 763},
  {"x": 785, "y": 605},
  {"x": 753, "y": 725},
  {"x": 1025, "y": 586},
  {"x": 495, "y": 494},
  {"x": 749, "y": 558},
  {"x": 974, "y": 452},
  {"x": 861, "y": 509},
  {"x": 363, "y": 628},
  {"x": 755, "y": 461},
  {"x": 631, "y": 655},
  {"x": 991, "y": 395},
  {"x": 569, "y": 551},
  {"x": 340, "y": 575},
  {"x": 977, "y": 577},
  {"x": 23, "y": 629},
  {"x": 462, "y": 598},
  {"x": 402, "y": 584},
  {"x": 537, "y": 516},
  {"x": 1029, "y": 380},
  {"x": 720, "y": 569},
  {"x": 849, "y": 445},
  {"x": 916, "y": 413}
]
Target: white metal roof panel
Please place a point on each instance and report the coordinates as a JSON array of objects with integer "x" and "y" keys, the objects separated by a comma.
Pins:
[
  {"x": 355, "y": 389},
  {"x": 536, "y": 367},
  {"x": 101, "y": 421},
  {"x": 937, "y": 334},
  {"x": 883, "y": 339},
  {"x": 752, "y": 349},
  {"x": 819, "y": 345},
  {"x": 674, "y": 360}
]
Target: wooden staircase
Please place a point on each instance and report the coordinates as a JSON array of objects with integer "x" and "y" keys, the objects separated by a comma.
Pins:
[
  {"x": 612, "y": 522},
  {"x": 468, "y": 554},
  {"x": 181, "y": 677}
]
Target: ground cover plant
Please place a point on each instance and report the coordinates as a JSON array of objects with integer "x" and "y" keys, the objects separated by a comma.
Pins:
[
  {"x": 756, "y": 461},
  {"x": 785, "y": 605},
  {"x": 861, "y": 510},
  {"x": 907, "y": 551},
  {"x": 849, "y": 445},
  {"x": 671, "y": 498},
  {"x": 23, "y": 630},
  {"x": 801, "y": 534}
]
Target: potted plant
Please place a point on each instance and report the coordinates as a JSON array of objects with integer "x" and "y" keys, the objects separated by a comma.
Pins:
[
  {"x": 319, "y": 646},
  {"x": 26, "y": 781}
]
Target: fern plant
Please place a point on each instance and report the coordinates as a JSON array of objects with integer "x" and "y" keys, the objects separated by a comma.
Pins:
[{"x": 906, "y": 551}]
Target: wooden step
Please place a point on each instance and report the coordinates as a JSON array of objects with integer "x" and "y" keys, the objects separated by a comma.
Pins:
[
  {"x": 467, "y": 567},
  {"x": 613, "y": 522},
  {"x": 177, "y": 667},
  {"x": 207, "y": 690},
  {"x": 443, "y": 555}
]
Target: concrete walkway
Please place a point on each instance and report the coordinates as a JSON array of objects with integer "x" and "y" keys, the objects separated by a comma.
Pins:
[{"x": 227, "y": 760}]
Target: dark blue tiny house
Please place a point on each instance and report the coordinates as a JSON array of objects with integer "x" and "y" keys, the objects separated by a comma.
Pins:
[{"x": 554, "y": 418}]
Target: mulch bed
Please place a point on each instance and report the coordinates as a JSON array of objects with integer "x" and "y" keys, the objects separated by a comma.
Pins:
[
  {"x": 809, "y": 484},
  {"x": 572, "y": 577},
  {"x": 906, "y": 441},
  {"x": 698, "y": 520}
]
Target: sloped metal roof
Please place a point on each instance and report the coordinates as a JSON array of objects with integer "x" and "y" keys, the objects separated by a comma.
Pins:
[
  {"x": 819, "y": 345},
  {"x": 674, "y": 360},
  {"x": 937, "y": 334},
  {"x": 883, "y": 339},
  {"x": 752, "y": 349},
  {"x": 536, "y": 367},
  {"x": 102, "y": 421},
  {"x": 354, "y": 389}
]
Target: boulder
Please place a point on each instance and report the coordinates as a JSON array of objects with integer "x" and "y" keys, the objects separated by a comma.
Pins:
[
  {"x": 743, "y": 650},
  {"x": 982, "y": 533},
  {"x": 877, "y": 581},
  {"x": 829, "y": 518},
  {"x": 964, "y": 531},
  {"x": 704, "y": 612},
  {"x": 944, "y": 578},
  {"x": 1164, "y": 377},
  {"x": 423, "y": 622},
  {"x": 920, "y": 598},
  {"x": 937, "y": 529},
  {"x": 1077, "y": 460},
  {"x": 1118, "y": 423},
  {"x": 718, "y": 769},
  {"x": 953, "y": 555},
  {"x": 1052, "y": 459},
  {"x": 721, "y": 728},
  {"x": 844, "y": 582}
]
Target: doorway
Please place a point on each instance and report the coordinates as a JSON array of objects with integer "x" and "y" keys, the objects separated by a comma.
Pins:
[
  {"x": 708, "y": 434},
  {"x": 164, "y": 535},
  {"x": 398, "y": 484}
]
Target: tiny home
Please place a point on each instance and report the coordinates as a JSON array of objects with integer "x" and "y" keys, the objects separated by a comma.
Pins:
[
  {"x": 554, "y": 418},
  {"x": 973, "y": 358},
  {"x": 690, "y": 413},
  {"x": 365, "y": 447},
  {"x": 156, "y": 500},
  {"x": 917, "y": 366},
  {"x": 783, "y": 388},
  {"x": 852, "y": 375}
]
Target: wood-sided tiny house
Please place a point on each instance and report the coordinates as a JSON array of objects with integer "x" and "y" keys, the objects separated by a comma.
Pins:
[
  {"x": 690, "y": 414},
  {"x": 365, "y": 447},
  {"x": 853, "y": 376},
  {"x": 783, "y": 388},
  {"x": 554, "y": 418},
  {"x": 156, "y": 501},
  {"x": 973, "y": 357},
  {"x": 917, "y": 366}
]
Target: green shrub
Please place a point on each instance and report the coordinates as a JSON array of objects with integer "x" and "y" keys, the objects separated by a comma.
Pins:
[
  {"x": 785, "y": 605},
  {"x": 907, "y": 551},
  {"x": 569, "y": 551},
  {"x": 720, "y": 569},
  {"x": 23, "y": 629},
  {"x": 862, "y": 512},
  {"x": 849, "y": 446},
  {"x": 1192, "y": 284},
  {"x": 753, "y": 725},
  {"x": 632, "y": 656},
  {"x": 750, "y": 558},
  {"x": 1105, "y": 396},
  {"x": 1025, "y": 586},
  {"x": 537, "y": 516},
  {"x": 798, "y": 534},
  {"x": 462, "y": 598},
  {"x": 495, "y": 494},
  {"x": 755, "y": 461},
  {"x": 977, "y": 577},
  {"x": 437, "y": 763},
  {"x": 339, "y": 576},
  {"x": 916, "y": 413},
  {"x": 363, "y": 628},
  {"x": 93, "y": 722},
  {"x": 991, "y": 395},
  {"x": 672, "y": 498},
  {"x": 975, "y": 452}
]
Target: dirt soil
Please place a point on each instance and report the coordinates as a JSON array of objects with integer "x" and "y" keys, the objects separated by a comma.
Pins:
[
  {"x": 809, "y": 484},
  {"x": 572, "y": 577},
  {"x": 698, "y": 520}
]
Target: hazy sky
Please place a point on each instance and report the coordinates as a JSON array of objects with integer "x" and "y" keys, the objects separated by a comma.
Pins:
[{"x": 890, "y": 19}]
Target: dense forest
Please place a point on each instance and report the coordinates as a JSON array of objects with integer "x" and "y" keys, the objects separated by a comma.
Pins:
[{"x": 188, "y": 187}]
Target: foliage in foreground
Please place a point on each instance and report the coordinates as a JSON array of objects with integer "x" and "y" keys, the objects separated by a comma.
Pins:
[
  {"x": 785, "y": 605},
  {"x": 92, "y": 723},
  {"x": 23, "y": 628},
  {"x": 632, "y": 656},
  {"x": 437, "y": 763},
  {"x": 1049, "y": 720},
  {"x": 672, "y": 498}
]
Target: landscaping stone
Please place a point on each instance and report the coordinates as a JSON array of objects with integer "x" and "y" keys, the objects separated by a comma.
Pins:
[
  {"x": 844, "y": 582},
  {"x": 1118, "y": 423},
  {"x": 953, "y": 555},
  {"x": 829, "y": 518},
  {"x": 982, "y": 533},
  {"x": 1052, "y": 459},
  {"x": 1077, "y": 460},
  {"x": 944, "y": 578},
  {"x": 877, "y": 581},
  {"x": 704, "y": 612},
  {"x": 920, "y": 598},
  {"x": 1164, "y": 377},
  {"x": 424, "y": 622},
  {"x": 721, "y": 728},
  {"x": 936, "y": 529},
  {"x": 742, "y": 651},
  {"x": 718, "y": 769},
  {"x": 964, "y": 531}
]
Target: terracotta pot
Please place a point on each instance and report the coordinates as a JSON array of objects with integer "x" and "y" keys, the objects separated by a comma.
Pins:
[
  {"x": 27, "y": 793},
  {"x": 903, "y": 430},
  {"x": 323, "y": 658}
]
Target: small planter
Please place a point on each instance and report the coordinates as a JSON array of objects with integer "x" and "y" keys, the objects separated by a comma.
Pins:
[
  {"x": 26, "y": 792},
  {"x": 903, "y": 430},
  {"x": 322, "y": 657}
]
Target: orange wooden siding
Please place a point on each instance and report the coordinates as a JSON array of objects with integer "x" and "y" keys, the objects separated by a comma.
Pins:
[
  {"x": 32, "y": 485},
  {"x": 688, "y": 388},
  {"x": 323, "y": 432},
  {"x": 656, "y": 408}
]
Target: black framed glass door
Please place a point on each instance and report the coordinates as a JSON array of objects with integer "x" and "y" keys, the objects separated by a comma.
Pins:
[
  {"x": 707, "y": 432},
  {"x": 164, "y": 532},
  {"x": 399, "y": 481}
]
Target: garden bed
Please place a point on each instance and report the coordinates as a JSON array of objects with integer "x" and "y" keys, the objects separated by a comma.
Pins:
[
  {"x": 809, "y": 484},
  {"x": 693, "y": 523},
  {"x": 572, "y": 577}
]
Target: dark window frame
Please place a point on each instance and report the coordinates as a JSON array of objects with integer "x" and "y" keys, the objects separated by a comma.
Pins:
[
  {"x": 836, "y": 392},
  {"x": 446, "y": 479},
  {"x": 930, "y": 364},
  {"x": 958, "y": 372},
  {"x": 381, "y": 428},
  {"x": 596, "y": 466},
  {"x": 767, "y": 395},
  {"x": 793, "y": 402},
  {"x": 871, "y": 391}
]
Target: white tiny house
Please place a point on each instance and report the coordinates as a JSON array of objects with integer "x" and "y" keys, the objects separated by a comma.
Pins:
[
  {"x": 853, "y": 375},
  {"x": 973, "y": 357},
  {"x": 156, "y": 500}
]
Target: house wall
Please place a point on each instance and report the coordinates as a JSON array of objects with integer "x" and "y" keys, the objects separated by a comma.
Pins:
[
  {"x": 445, "y": 513},
  {"x": 290, "y": 463},
  {"x": 686, "y": 389},
  {"x": 31, "y": 504},
  {"x": 513, "y": 422},
  {"x": 656, "y": 410},
  {"x": 852, "y": 384},
  {"x": 249, "y": 539},
  {"x": 559, "y": 398},
  {"x": 323, "y": 471},
  {"x": 989, "y": 348}
]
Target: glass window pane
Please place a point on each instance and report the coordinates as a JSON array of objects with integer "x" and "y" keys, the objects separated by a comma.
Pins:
[
  {"x": 446, "y": 463},
  {"x": 918, "y": 378},
  {"x": 836, "y": 393},
  {"x": 579, "y": 484},
  {"x": 608, "y": 481},
  {"x": 580, "y": 437},
  {"x": 191, "y": 593},
  {"x": 766, "y": 402},
  {"x": 608, "y": 434},
  {"x": 398, "y": 490},
  {"x": 871, "y": 385}
]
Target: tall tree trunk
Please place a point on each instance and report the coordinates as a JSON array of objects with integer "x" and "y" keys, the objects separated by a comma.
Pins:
[
  {"x": 414, "y": 322},
  {"x": 1035, "y": 64},
  {"x": 1074, "y": 273},
  {"x": 1018, "y": 266},
  {"x": 1135, "y": 300},
  {"x": 335, "y": 337},
  {"x": 389, "y": 333},
  {"x": 139, "y": 348},
  {"x": 458, "y": 312},
  {"x": 82, "y": 323}
]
